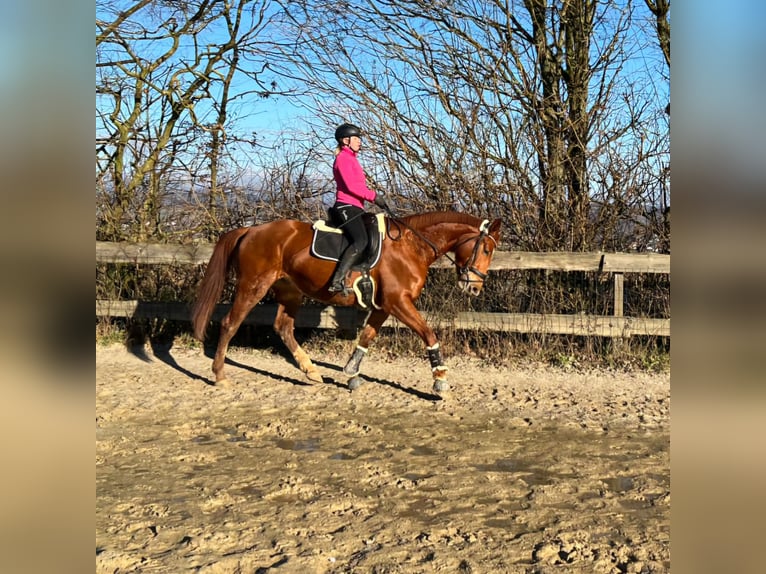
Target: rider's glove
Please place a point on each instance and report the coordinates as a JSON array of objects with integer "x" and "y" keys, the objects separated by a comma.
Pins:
[{"x": 380, "y": 201}]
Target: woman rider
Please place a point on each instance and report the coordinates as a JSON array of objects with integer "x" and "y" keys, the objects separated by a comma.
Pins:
[{"x": 351, "y": 193}]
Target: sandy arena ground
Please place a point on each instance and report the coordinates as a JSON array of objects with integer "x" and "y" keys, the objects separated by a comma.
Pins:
[{"x": 512, "y": 471}]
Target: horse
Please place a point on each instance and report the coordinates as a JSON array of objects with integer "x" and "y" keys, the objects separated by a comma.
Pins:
[{"x": 276, "y": 257}]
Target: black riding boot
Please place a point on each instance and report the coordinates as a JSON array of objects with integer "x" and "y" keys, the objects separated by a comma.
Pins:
[{"x": 338, "y": 282}]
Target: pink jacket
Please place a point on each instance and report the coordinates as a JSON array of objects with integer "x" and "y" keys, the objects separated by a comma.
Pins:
[{"x": 349, "y": 179}]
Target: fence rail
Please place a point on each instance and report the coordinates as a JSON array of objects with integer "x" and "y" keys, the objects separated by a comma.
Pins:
[
  {"x": 315, "y": 316},
  {"x": 199, "y": 253}
]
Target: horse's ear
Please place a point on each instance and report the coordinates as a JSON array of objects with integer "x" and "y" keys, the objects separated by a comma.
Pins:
[{"x": 495, "y": 227}]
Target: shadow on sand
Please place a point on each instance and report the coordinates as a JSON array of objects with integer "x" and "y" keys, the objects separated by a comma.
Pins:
[{"x": 161, "y": 352}]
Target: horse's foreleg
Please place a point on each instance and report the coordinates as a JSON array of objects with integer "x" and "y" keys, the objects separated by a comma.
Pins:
[
  {"x": 408, "y": 314},
  {"x": 438, "y": 368},
  {"x": 290, "y": 299},
  {"x": 244, "y": 300}
]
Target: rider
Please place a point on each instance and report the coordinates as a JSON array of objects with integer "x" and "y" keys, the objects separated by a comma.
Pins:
[{"x": 352, "y": 191}]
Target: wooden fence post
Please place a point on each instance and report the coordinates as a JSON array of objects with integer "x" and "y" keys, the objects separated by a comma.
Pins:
[
  {"x": 619, "y": 294},
  {"x": 619, "y": 282}
]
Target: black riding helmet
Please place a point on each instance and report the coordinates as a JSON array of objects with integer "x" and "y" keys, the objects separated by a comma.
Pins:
[{"x": 346, "y": 131}]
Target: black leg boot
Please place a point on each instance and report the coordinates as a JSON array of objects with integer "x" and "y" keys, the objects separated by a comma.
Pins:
[{"x": 338, "y": 282}]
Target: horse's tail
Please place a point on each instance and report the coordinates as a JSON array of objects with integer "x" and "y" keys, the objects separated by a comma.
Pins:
[{"x": 214, "y": 280}]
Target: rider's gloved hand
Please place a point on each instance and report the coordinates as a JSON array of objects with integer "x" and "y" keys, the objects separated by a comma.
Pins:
[{"x": 380, "y": 201}]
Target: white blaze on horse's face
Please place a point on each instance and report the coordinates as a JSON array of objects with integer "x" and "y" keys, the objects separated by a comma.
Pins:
[
  {"x": 474, "y": 256},
  {"x": 470, "y": 283}
]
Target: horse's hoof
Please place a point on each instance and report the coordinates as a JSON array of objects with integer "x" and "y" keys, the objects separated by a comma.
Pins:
[
  {"x": 224, "y": 383},
  {"x": 314, "y": 376},
  {"x": 354, "y": 383},
  {"x": 441, "y": 386}
]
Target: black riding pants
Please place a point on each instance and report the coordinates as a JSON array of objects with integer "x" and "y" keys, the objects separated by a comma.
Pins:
[{"x": 349, "y": 219}]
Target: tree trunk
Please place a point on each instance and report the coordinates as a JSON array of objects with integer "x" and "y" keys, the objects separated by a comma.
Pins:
[
  {"x": 578, "y": 23},
  {"x": 550, "y": 113}
]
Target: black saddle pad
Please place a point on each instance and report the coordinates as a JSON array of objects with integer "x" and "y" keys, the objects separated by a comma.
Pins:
[{"x": 330, "y": 242}]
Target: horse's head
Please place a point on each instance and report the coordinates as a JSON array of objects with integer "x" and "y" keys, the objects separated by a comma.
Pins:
[{"x": 473, "y": 256}]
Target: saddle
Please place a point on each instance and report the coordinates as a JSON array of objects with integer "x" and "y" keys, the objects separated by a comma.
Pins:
[{"x": 329, "y": 243}]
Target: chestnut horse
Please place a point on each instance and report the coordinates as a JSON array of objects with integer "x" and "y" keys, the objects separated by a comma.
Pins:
[{"x": 275, "y": 256}]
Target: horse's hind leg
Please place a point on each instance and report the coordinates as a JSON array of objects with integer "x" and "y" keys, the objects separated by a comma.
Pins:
[
  {"x": 290, "y": 299},
  {"x": 247, "y": 296}
]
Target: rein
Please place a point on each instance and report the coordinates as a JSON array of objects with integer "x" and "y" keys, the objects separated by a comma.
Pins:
[
  {"x": 483, "y": 232},
  {"x": 419, "y": 235}
]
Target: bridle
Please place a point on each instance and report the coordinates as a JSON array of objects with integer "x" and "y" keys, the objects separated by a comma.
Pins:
[{"x": 469, "y": 266}]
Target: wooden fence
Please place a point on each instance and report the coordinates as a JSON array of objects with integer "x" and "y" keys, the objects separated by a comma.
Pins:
[{"x": 315, "y": 316}]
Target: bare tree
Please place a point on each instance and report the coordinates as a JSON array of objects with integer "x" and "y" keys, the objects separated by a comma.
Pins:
[
  {"x": 531, "y": 109},
  {"x": 661, "y": 11},
  {"x": 489, "y": 105},
  {"x": 166, "y": 89}
]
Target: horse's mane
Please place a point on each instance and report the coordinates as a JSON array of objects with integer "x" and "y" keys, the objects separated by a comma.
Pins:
[{"x": 421, "y": 220}]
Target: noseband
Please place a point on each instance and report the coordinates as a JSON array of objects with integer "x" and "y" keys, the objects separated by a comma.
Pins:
[{"x": 469, "y": 266}]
